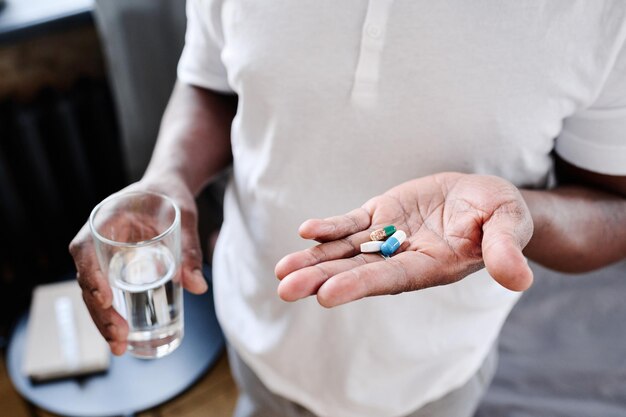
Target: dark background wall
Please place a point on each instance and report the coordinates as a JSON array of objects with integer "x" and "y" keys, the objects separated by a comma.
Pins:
[{"x": 60, "y": 154}]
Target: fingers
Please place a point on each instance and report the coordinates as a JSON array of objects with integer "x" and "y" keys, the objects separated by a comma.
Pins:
[
  {"x": 407, "y": 271},
  {"x": 192, "y": 277},
  {"x": 505, "y": 262},
  {"x": 305, "y": 282},
  {"x": 341, "y": 281},
  {"x": 97, "y": 293},
  {"x": 95, "y": 286},
  {"x": 337, "y": 227},
  {"x": 505, "y": 235},
  {"x": 111, "y": 325},
  {"x": 337, "y": 249}
]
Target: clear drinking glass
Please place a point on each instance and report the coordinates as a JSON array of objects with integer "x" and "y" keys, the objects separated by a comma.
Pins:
[{"x": 137, "y": 240}]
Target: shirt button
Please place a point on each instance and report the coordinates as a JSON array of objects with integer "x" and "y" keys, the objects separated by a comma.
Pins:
[{"x": 373, "y": 31}]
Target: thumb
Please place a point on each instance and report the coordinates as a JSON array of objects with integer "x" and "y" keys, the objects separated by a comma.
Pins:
[
  {"x": 191, "y": 268},
  {"x": 505, "y": 234}
]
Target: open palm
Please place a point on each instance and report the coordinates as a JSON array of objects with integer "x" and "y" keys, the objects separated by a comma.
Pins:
[{"x": 455, "y": 223}]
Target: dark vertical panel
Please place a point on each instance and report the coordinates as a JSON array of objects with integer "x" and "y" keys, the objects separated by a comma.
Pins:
[{"x": 59, "y": 155}]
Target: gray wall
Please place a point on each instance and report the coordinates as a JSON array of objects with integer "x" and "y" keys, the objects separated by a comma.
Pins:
[{"x": 142, "y": 41}]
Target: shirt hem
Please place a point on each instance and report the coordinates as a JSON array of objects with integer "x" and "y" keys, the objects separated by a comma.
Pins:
[
  {"x": 603, "y": 159},
  {"x": 207, "y": 80},
  {"x": 282, "y": 388}
]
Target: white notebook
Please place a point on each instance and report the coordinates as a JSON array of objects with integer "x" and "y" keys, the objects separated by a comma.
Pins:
[{"x": 62, "y": 340}]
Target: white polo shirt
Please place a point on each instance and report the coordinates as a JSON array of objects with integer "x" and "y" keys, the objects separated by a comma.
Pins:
[{"x": 340, "y": 101}]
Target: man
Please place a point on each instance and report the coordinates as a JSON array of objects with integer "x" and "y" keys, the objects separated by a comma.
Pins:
[{"x": 438, "y": 117}]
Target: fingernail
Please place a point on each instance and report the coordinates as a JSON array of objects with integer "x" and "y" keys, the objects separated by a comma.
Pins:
[
  {"x": 117, "y": 348},
  {"x": 199, "y": 278}
]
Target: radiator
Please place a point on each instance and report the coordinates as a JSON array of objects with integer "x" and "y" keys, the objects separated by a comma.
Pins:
[{"x": 59, "y": 155}]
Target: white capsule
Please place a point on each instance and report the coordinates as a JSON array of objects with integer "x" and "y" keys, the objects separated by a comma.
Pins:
[{"x": 373, "y": 246}]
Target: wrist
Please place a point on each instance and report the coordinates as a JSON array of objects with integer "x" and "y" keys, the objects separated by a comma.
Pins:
[
  {"x": 188, "y": 173},
  {"x": 171, "y": 184},
  {"x": 540, "y": 206},
  {"x": 166, "y": 177}
]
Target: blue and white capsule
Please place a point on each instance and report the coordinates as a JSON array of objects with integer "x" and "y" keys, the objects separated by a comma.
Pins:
[{"x": 392, "y": 244}]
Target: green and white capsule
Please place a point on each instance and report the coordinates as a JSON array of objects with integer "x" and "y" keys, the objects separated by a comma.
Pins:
[{"x": 383, "y": 233}]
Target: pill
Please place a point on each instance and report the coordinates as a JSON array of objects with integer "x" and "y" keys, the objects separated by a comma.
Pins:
[
  {"x": 371, "y": 246},
  {"x": 393, "y": 243},
  {"x": 383, "y": 233}
]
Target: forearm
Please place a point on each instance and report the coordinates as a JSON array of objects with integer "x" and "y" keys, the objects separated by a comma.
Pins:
[
  {"x": 576, "y": 228},
  {"x": 194, "y": 138}
]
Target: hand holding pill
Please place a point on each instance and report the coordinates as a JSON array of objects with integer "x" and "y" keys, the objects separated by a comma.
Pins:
[{"x": 449, "y": 225}]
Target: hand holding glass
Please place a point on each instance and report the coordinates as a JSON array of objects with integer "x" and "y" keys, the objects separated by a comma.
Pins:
[{"x": 137, "y": 241}]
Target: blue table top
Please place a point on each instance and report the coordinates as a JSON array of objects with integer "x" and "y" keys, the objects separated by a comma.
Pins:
[
  {"x": 23, "y": 18},
  {"x": 131, "y": 384}
]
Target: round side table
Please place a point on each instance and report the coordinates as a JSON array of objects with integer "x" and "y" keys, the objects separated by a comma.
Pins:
[{"x": 130, "y": 385}]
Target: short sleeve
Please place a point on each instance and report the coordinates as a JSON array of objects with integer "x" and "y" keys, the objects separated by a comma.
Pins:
[
  {"x": 200, "y": 63},
  {"x": 595, "y": 138}
]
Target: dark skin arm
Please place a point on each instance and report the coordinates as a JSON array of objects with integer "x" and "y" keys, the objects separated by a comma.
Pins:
[
  {"x": 193, "y": 146},
  {"x": 581, "y": 224},
  {"x": 194, "y": 138}
]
